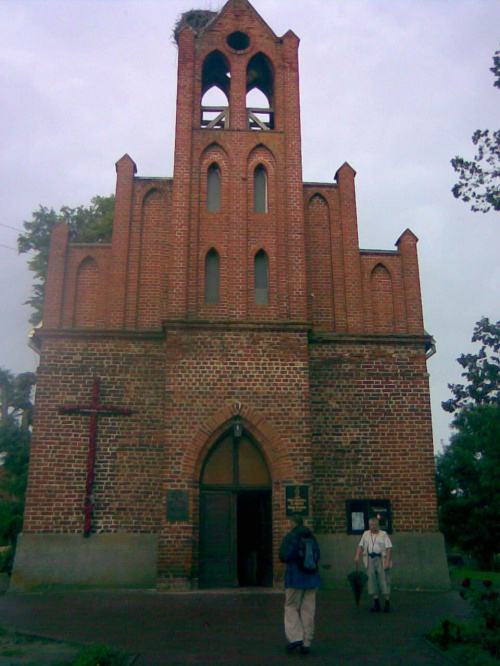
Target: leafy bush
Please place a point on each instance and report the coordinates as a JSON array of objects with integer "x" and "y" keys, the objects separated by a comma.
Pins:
[
  {"x": 471, "y": 655},
  {"x": 475, "y": 642},
  {"x": 6, "y": 559},
  {"x": 14, "y": 459},
  {"x": 449, "y": 633},
  {"x": 486, "y": 602}
]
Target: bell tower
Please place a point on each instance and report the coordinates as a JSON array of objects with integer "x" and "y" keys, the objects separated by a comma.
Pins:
[{"x": 238, "y": 250}]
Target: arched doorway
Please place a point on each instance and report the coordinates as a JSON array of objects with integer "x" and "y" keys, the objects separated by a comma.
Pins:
[{"x": 235, "y": 516}]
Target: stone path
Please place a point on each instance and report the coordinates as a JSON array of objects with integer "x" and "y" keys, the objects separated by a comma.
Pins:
[{"x": 235, "y": 626}]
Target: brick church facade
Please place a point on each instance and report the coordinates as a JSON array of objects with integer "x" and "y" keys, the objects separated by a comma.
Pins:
[{"x": 231, "y": 357}]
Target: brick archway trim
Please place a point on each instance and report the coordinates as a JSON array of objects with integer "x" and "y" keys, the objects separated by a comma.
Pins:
[{"x": 272, "y": 444}]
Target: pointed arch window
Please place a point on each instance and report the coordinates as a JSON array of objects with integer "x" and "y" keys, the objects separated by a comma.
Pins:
[
  {"x": 212, "y": 276},
  {"x": 213, "y": 189},
  {"x": 260, "y": 189},
  {"x": 261, "y": 278}
]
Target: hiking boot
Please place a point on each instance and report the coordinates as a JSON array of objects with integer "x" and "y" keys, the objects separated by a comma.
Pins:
[
  {"x": 305, "y": 649},
  {"x": 387, "y": 607},
  {"x": 293, "y": 646},
  {"x": 376, "y": 606}
]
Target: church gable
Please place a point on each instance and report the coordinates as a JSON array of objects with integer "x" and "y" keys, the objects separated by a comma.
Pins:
[
  {"x": 240, "y": 12},
  {"x": 232, "y": 357}
]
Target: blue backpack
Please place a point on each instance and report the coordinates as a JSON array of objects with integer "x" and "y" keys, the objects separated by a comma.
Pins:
[{"x": 308, "y": 555}]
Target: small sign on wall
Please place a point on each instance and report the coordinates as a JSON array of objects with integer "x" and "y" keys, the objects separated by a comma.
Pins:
[
  {"x": 177, "y": 505},
  {"x": 297, "y": 500}
]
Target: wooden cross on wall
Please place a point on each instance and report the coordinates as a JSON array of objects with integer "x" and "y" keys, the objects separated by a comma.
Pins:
[{"x": 94, "y": 410}]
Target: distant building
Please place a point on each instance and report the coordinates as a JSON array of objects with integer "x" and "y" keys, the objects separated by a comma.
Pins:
[{"x": 230, "y": 358}]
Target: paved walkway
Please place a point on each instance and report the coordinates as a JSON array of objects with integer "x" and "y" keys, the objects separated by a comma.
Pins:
[{"x": 236, "y": 627}]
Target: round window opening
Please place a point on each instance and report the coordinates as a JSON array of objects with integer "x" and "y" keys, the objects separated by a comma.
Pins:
[{"x": 238, "y": 41}]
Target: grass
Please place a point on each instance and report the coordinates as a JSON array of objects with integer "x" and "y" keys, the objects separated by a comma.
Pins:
[
  {"x": 471, "y": 655},
  {"x": 27, "y": 650},
  {"x": 459, "y": 573},
  {"x": 101, "y": 655}
]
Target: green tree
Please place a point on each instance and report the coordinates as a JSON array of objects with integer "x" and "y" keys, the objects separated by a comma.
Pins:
[
  {"x": 15, "y": 452},
  {"x": 479, "y": 179},
  {"x": 468, "y": 482},
  {"x": 16, "y": 397},
  {"x": 90, "y": 224},
  {"x": 482, "y": 370},
  {"x": 16, "y": 410}
]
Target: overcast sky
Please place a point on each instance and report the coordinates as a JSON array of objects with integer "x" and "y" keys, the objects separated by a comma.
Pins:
[{"x": 394, "y": 88}]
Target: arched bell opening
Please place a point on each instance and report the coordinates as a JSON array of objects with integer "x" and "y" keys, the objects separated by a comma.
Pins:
[
  {"x": 215, "y": 87},
  {"x": 260, "y": 93},
  {"x": 235, "y": 514}
]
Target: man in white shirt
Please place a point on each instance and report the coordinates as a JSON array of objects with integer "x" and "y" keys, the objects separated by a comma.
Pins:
[{"x": 376, "y": 548}]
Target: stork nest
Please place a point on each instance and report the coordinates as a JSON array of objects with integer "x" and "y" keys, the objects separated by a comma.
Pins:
[{"x": 196, "y": 19}]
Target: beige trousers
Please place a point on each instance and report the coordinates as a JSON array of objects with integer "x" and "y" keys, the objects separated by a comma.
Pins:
[
  {"x": 378, "y": 578},
  {"x": 300, "y": 607}
]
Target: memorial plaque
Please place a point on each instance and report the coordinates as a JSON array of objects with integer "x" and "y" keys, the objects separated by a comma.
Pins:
[
  {"x": 177, "y": 505},
  {"x": 297, "y": 500}
]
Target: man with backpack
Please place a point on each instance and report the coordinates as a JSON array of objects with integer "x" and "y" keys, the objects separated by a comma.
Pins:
[{"x": 300, "y": 550}]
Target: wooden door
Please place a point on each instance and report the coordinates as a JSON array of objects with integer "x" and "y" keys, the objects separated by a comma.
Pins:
[{"x": 218, "y": 565}]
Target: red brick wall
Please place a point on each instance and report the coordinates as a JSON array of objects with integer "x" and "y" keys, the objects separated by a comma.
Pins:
[
  {"x": 371, "y": 431},
  {"x": 182, "y": 391},
  {"x": 207, "y": 372},
  {"x": 128, "y": 482}
]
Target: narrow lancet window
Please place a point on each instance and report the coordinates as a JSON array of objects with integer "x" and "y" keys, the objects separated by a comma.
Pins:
[
  {"x": 213, "y": 189},
  {"x": 260, "y": 190},
  {"x": 212, "y": 279},
  {"x": 261, "y": 278}
]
